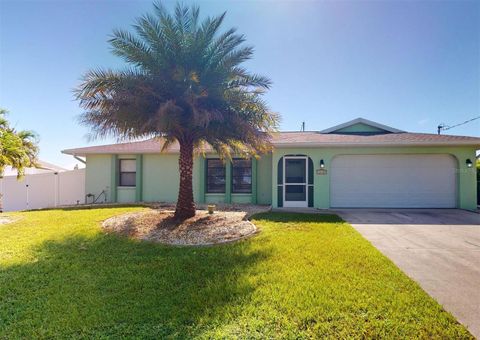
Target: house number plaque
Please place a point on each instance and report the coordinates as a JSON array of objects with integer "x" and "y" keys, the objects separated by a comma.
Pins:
[{"x": 321, "y": 171}]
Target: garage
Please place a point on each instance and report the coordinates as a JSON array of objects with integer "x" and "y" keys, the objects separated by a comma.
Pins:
[{"x": 393, "y": 181}]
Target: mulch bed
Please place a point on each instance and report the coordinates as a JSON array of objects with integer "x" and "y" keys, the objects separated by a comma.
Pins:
[{"x": 227, "y": 224}]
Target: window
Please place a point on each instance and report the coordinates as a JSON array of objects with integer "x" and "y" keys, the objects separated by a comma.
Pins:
[
  {"x": 242, "y": 176},
  {"x": 128, "y": 169},
  {"x": 215, "y": 176}
]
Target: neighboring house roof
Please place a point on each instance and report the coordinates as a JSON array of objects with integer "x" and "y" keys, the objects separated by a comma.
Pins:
[
  {"x": 355, "y": 133},
  {"x": 44, "y": 167}
]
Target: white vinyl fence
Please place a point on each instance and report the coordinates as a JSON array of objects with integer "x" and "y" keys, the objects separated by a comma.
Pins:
[{"x": 45, "y": 190}]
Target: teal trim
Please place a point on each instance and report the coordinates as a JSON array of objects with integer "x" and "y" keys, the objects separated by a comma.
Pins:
[
  {"x": 114, "y": 181},
  {"x": 139, "y": 179},
  {"x": 214, "y": 198},
  {"x": 279, "y": 184},
  {"x": 280, "y": 196},
  {"x": 241, "y": 198},
  {"x": 310, "y": 196},
  {"x": 228, "y": 182},
  {"x": 254, "y": 180},
  {"x": 203, "y": 179},
  {"x": 310, "y": 182}
]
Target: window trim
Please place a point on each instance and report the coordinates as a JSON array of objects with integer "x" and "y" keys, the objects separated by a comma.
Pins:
[
  {"x": 251, "y": 177},
  {"x": 120, "y": 172},
  {"x": 224, "y": 178}
]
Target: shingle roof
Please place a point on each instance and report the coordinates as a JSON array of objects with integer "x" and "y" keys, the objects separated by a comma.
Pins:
[
  {"x": 298, "y": 139},
  {"x": 153, "y": 145},
  {"x": 391, "y": 139}
]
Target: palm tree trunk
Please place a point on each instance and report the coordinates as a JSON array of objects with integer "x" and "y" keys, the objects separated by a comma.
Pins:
[{"x": 185, "y": 204}]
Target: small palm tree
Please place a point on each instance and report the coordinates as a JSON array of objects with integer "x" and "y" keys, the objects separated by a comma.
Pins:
[
  {"x": 18, "y": 149},
  {"x": 184, "y": 84}
]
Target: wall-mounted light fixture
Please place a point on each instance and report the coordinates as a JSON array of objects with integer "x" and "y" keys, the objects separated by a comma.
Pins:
[
  {"x": 469, "y": 163},
  {"x": 322, "y": 164}
]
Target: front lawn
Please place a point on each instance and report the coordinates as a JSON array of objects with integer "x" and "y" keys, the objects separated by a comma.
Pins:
[{"x": 303, "y": 276}]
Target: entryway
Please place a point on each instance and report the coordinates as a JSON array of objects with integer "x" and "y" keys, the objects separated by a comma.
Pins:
[{"x": 295, "y": 175}]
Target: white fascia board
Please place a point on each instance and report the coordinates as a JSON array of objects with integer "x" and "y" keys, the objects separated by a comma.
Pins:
[{"x": 317, "y": 145}]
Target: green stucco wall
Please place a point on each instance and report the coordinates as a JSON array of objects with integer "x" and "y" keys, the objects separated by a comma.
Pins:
[
  {"x": 264, "y": 185},
  {"x": 98, "y": 175},
  {"x": 359, "y": 127},
  {"x": 126, "y": 194},
  {"x": 161, "y": 178},
  {"x": 214, "y": 198},
  {"x": 465, "y": 179}
]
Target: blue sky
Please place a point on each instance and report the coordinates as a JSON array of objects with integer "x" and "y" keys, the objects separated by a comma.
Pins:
[{"x": 408, "y": 64}]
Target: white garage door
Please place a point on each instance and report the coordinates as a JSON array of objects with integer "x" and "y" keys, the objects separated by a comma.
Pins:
[{"x": 393, "y": 181}]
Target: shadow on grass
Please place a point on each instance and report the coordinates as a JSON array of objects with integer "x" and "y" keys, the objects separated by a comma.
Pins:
[
  {"x": 112, "y": 286},
  {"x": 296, "y": 217}
]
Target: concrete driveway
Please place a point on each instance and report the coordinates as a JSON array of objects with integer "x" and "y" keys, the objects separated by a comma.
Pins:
[{"x": 438, "y": 248}]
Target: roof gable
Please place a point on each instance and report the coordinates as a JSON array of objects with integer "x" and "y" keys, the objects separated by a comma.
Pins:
[{"x": 361, "y": 126}]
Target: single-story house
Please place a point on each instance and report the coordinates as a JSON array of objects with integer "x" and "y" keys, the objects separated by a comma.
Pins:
[{"x": 358, "y": 164}]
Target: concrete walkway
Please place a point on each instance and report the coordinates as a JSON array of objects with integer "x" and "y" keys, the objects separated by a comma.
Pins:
[{"x": 438, "y": 248}]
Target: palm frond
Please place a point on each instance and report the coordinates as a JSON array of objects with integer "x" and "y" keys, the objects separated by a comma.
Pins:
[{"x": 185, "y": 82}]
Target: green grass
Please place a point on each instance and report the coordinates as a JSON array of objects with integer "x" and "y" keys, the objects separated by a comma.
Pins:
[{"x": 303, "y": 276}]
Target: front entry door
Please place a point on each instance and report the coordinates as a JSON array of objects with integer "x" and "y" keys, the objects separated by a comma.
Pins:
[{"x": 295, "y": 175}]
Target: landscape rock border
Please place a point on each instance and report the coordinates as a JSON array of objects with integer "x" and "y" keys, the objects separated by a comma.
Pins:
[
  {"x": 5, "y": 219},
  {"x": 228, "y": 224}
]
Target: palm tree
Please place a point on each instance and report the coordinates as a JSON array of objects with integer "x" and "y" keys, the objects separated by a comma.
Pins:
[
  {"x": 18, "y": 149},
  {"x": 184, "y": 84}
]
